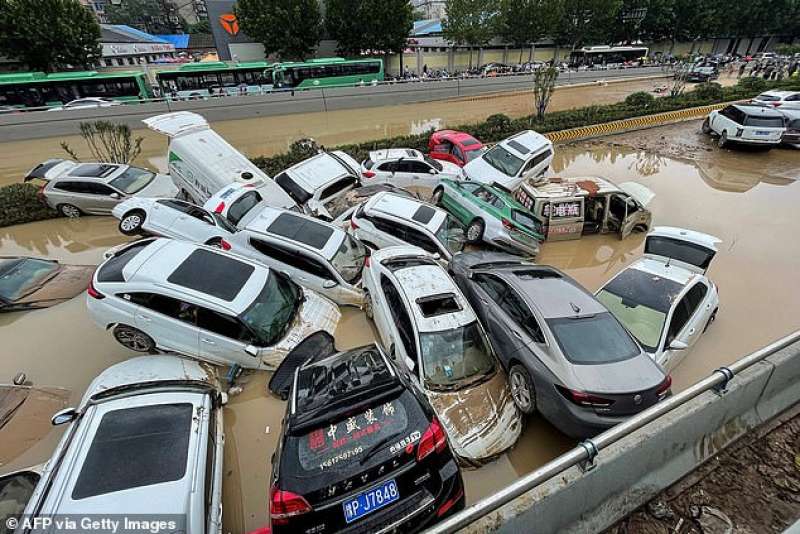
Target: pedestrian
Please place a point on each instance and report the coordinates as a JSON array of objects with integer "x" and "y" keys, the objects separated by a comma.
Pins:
[{"x": 741, "y": 69}]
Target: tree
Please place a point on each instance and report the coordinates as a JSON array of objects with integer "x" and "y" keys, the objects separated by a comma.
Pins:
[
  {"x": 49, "y": 34},
  {"x": 390, "y": 23},
  {"x": 469, "y": 22},
  {"x": 679, "y": 20},
  {"x": 201, "y": 26},
  {"x": 290, "y": 29},
  {"x": 581, "y": 22},
  {"x": 544, "y": 82},
  {"x": 627, "y": 27},
  {"x": 522, "y": 22},
  {"x": 150, "y": 16}
]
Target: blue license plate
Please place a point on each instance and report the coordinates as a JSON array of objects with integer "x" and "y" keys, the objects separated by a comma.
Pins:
[
  {"x": 371, "y": 500},
  {"x": 762, "y": 132}
]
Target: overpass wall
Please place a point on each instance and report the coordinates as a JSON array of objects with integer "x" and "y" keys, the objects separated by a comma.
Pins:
[{"x": 632, "y": 471}]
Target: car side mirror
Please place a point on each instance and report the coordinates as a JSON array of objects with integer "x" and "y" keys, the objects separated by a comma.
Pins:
[
  {"x": 678, "y": 345},
  {"x": 115, "y": 196},
  {"x": 437, "y": 256},
  {"x": 329, "y": 284},
  {"x": 252, "y": 350},
  {"x": 432, "y": 171},
  {"x": 67, "y": 415}
]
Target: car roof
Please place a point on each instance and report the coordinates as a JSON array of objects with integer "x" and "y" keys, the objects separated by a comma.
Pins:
[
  {"x": 558, "y": 187},
  {"x": 456, "y": 136},
  {"x": 782, "y": 94},
  {"x": 395, "y": 153},
  {"x": 302, "y": 230},
  {"x": 409, "y": 209},
  {"x": 758, "y": 110},
  {"x": 212, "y": 277},
  {"x": 423, "y": 283},
  {"x": 525, "y": 143},
  {"x": 317, "y": 171},
  {"x": 104, "y": 172}
]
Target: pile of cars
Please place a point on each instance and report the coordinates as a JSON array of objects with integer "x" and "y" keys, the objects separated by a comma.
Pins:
[
  {"x": 236, "y": 269},
  {"x": 770, "y": 119}
]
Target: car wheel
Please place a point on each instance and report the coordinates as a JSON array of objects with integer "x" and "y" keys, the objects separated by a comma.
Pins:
[
  {"x": 522, "y": 390},
  {"x": 475, "y": 231},
  {"x": 133, "y": 338},
  {"x": 436, "y": 198},
  {"x": 68, "y": 210},
  {"x": 131, "y": 223},
  {"x": 723, "y": 139},
  {"x": 368, "y": 310},
  {"x": 706, "y": 127},
  {"x": 710, "y": 320}
]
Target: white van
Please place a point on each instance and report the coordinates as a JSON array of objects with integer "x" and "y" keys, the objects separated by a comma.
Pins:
[{"x": 201, "y": 162}]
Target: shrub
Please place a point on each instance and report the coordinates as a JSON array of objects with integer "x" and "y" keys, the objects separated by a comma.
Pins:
[
  {"x": 753, "y": 84},
  {"x": 108, "y": 141},
  {"x": 708, "y": 91},
  {"x": 640, "y": 99},
  {"x": 19, "y": 203}
]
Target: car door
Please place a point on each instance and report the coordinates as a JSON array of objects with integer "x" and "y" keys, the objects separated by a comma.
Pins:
[
  {"x": 402, "y": 345},
  {"x": 423, "y": 174},
  {"x": 565, "y": 218},
  {"x": 170, "y": 218},
  {"x": 689, "y": 317},
  {"x": 197, "y": 224},
  {"x": 387, "y": 234},
  {"x": 633, "y": 215},
  {"x": 461, "y": 202},
  {"x": 223, "y": 339},
  {"x": 420, "y": 239},
  {"x": 386, "y": 172},
  {"x": 404, "y": 175},
  {"x": 169, "y": 321},
  {"x": 489, "y": 291}
]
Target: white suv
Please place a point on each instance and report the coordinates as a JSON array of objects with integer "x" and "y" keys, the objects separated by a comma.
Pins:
[
  {"x": 204, "y": 303},
  {"x": 147, "y": 438},
  {"x": 388, "y": 220},
  {"x": 739, "y": 123},
  {"x": 778, "y": 99},
  {"x": 405, "y": 167},
  {"x": 511, "y": 161}
]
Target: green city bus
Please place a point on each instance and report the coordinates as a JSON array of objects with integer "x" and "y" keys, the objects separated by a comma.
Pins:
[
  {"x": 37, "y": 89},
  {"x": 202, "y": 79},
  {"x": 325, "y": 72}
]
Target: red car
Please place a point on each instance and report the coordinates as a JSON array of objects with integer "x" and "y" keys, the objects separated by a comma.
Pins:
[{"x": 455, "y": 147}]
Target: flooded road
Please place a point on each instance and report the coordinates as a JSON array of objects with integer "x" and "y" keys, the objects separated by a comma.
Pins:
[
  {"x": 746, "y": 198},
  {"x": 270, "y": 135}
]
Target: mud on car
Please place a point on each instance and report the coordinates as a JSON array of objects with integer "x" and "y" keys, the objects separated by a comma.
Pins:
[{"x": 360, "y": 449}]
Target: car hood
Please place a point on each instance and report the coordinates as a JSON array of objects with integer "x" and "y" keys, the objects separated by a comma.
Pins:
[
  {"x": 316, "y": 314},
  {"x": 161, "y": 186},
  {"x": 481, "y": 421},
  {"x": 643, "y": 195},
  {"x": 635, "y": 374},
  {"x": 480, "y": 171},
  {"x": 69, "y": 281},
  {"x": 450, "y": 168}
]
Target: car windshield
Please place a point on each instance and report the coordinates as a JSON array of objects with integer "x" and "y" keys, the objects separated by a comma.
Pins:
[
  {"x": 454, "y": 356},
  {"x": 18, "y": 277},
  {"x": 271, "y": 314},
  {"x": 242, "y": 206},
  {"x": 132, "y": 180},
  {"x": 503, "y": 160},
  {"x": 451, "y": 234},
  {"x": 433, "y": 163},
  {"x": 223, "y": 223},
  {"x": 298, "y": 194},
  {"x": 349, "y": 259},
  {"x": 526, "y": 219},
  {"x": 474, "y": 153},
  {"x": 594, "y": 339},
  {"x": 764, "y": 122}
]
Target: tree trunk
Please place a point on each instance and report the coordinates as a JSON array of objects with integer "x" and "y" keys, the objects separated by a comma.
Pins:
[
  {"x": 470, "y": 59},
  {"x": 520, "y": 56}
]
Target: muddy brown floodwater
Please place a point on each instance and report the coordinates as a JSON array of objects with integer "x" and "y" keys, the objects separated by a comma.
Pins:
[{"x": 747, "y": 198}]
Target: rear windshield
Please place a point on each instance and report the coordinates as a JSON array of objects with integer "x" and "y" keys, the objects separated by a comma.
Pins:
[
  {"x": 298, "y": 194},
  {"x": 677, "y": 249},
  {"x": 764, "y": 122},
  {"x": 243, "y": 205},
  {"x": 503, "y": 160},
  {"x": 596, "y": 339},
  {"x": 347, "y": 443},
  {"x": 452, "y": 357},
  {"x": 111, "y": 271},
  {"x": 272, "y": 312},
  {"x": 136, "y": 447},
  {"x": 526, "y": 219},
  {"x": 768, "y": 98},
  {"x": 433, "y": 163},
  {"x": 349, "y": 259},
  {"x": 451, "y": 235},
  {"x": 132, "y": 180},
  {"x": 18, "y": 277}
]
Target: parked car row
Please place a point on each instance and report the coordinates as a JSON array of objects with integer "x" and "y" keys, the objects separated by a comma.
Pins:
[{"x": 768, "y": 120}]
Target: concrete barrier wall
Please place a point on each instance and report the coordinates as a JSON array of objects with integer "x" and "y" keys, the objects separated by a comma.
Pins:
[{"x": 635, "y": 469}]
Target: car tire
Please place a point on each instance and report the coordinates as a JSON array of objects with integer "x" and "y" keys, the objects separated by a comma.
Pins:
[
  {"x": 131, "y": 223},
  {"x": 436, "y": 197},
  {"x": 368, "y": 310},
  {"x": 723, "y": 139},
  {"x": 68, "y": 210},
  {"x": 522, "y": 389},
  {"x": 133, "y": 339},
  {"x": 706, "y": 127},
  {"x": 475, "y": 231}
]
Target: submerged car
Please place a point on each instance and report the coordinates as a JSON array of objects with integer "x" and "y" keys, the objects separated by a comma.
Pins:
[
  {"x": 745, "y": 124},
  {"x": 453, "y": 146},
  {"x": 492, "y": 215},
  {"x": 359, "y": 448},
  {"x": 567, "y": 357},
  {"x": 28, "y": 283},
  {"x": 75, "y": 189},
  {"x": 428, "y": 327},
  {"x": 405, "y": 167},
  {"x": 318, "y": 255},
  {"x": 168, "y": 295},
  {"x": 510, "y": 162},
  {"x": 147, "y": 438},
  {"x": 665, "y": 298}
]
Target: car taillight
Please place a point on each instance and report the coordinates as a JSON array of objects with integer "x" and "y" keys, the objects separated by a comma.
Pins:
[
  {"x": 368, "y": 174},
  {"x": 507, "y": 224},
  {"x": 663, "y": 388},
  {"x": 224, "y": 245},
  {"x": 776, "y": 104},
  {"x": 284, "y": 505},
  {"x": 94, "y": 293},
  {"x": 446, "y": 505},
  {"x": 584, "y": 399},
  {"x": 367, "y": 262},
  {"x": 353, "y": 224},
  {"x": 433, "y": 439},
  {"x": 219, "y": 208}
]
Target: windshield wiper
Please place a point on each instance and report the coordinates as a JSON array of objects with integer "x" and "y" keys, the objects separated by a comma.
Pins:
[{"x": 377, "y": 446}]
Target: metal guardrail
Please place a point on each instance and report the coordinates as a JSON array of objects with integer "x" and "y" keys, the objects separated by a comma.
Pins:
[{"x": 585, "y": 453}]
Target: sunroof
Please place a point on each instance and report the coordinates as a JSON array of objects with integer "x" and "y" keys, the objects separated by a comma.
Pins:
[
  {"x": 424, "y": 214},
  {"x": 519, "y": 147},
  {"x": 438, "y": 305},
  {"x": 301, "y": 230},
  {"x": 533, "y": 274},
  {"x": 212, "y": 273},
  {"x": 93, "y": 170},
  {"x": 136, "y": 447}
]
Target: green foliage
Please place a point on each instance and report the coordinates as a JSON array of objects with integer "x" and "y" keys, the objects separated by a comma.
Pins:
[
  {"x": 390, "y": 22},
  {"x": 581, "y": 22},
  {"x": 48, "y": 35},
  {"x": 291, "y": 29},
  {"x": 19, "y": 203},
  {"x": 522, "y": 22},
  {"x": 753, "y": 84},
  {"x": 201, "y": 26},
  {"x": 640, "y": 99},
  {"x": 147, "y": 15},
  {"x": 708, "y": 91},
  {"x": 469, "y": 22},
  {"x": 108, "y": 142}
]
